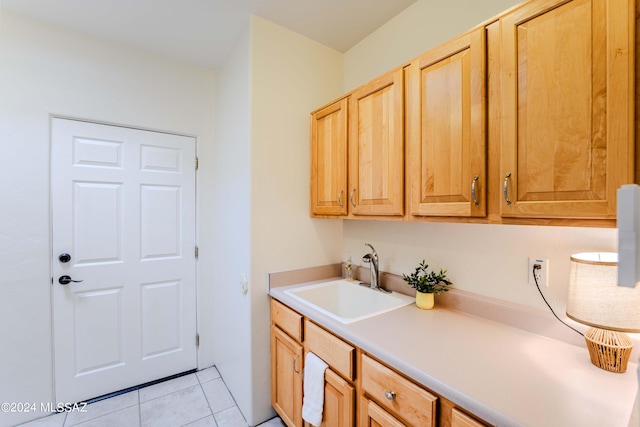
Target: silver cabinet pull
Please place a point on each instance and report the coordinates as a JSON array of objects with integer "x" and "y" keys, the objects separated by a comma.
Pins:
[
  {"x": 473, "y": 190},
  {"x": 351, "y": 197},
  {"x": 505, "y": 188},
  {"x": 390, "y": 395},
  {"x": 340, "y": 199},
  {"x": 295, "y": 360}
]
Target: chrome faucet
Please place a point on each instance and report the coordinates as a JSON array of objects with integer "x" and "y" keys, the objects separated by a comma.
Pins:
[{"x": 372, "y": 260}]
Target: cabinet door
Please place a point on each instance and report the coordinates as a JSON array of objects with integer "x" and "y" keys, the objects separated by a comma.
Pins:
[
  {"x": 286, "y": 377},
  {"x": 460, "y": 419},
  {"x": 567, "y": 129},
  {"x": 447, "y": 136},
  {"x": 372, "y": 415},
  {"x": 339, "y": 401},
  {"x": 376, "y": 147},
  {"x": 329, "y": 160}
]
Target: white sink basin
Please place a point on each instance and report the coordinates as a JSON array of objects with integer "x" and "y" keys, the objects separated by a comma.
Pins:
[{"x": 347, "y": 301}]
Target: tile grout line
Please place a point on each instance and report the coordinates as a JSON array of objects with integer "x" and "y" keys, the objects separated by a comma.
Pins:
[
  {"x": 206, "y": 397},
  {"x": 139, "y": 410}
]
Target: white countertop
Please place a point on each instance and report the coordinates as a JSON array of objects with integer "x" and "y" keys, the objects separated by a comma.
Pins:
[{"x": 504, "y": 375}]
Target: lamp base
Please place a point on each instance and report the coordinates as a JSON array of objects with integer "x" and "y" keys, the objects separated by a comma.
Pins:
[{"x": 609, "y": 350}]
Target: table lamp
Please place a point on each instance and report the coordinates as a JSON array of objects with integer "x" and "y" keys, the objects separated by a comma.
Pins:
[{"x": 595, "y": 299}]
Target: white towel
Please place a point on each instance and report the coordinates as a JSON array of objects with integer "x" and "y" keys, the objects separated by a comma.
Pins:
[{"x": 313, "y": 399}]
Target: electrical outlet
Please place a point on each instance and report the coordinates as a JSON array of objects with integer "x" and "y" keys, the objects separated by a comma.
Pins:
[{"x": 542, "y": 273}]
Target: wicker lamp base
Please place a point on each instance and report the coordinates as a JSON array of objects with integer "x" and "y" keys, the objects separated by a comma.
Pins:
[{"x": 609, "y": 350}]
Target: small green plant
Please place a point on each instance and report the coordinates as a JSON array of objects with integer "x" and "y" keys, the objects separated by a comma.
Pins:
[{"x": 428, "y": 282}]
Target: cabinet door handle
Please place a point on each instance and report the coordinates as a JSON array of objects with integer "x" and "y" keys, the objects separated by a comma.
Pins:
[
  {"x": 390, "y": 395},
  {"x": 340, "y": 199},
  {"x": 351, "y": 197},
  {"x": 505, "y": 188},
  {"x": 473, "y": 190},
  {"x": 295, "y": 360}
]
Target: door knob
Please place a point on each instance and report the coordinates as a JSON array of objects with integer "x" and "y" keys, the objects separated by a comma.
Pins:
[
  {"x": 65, "y": 280},
  {"x": 64, "y": 258}
]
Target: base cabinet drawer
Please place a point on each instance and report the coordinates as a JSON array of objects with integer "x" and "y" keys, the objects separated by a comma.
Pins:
[
  {"x": 397, "y": 395},
  {"x": 287, "y": 320},
  {"x": 339, "y": 355}
]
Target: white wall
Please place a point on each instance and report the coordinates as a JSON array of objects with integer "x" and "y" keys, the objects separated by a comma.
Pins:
[
  {"x": 44, "y": 71},
  {"x": 290, "y": 76},
  {"x": 485, "y": 259},
  {"x": 230, "y": 223},
  {"x": 423, "y": 25},
  {"x": 265, "y": 91}
]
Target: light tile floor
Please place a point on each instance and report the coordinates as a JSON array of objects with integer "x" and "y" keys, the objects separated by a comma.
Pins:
[{"x": 195, "y": 400}]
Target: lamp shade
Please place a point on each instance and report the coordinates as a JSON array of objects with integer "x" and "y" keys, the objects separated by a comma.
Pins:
[{"x": 595, "y": 298}]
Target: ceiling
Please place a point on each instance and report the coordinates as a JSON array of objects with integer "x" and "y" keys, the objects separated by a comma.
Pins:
[{"x": 202, "y": 31}]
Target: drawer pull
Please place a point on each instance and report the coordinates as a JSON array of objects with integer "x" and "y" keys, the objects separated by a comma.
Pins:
[{"x": 390, "y": 395}]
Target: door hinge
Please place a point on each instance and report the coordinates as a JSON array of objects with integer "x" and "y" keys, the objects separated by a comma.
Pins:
[
  {"x": 197, "y": 162},
  {"x": 197, "y": 252},
  {"x": 197, "y": 340}
]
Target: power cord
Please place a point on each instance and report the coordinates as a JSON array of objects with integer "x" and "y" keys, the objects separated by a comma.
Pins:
[{"x": 538, "y": 267}]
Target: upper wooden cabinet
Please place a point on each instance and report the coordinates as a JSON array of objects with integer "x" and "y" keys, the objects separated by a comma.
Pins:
[
  {"x": 376, "y": 146},
  {"x": 446, "y": 105},
  {"x": 567, "y": 69},
  {"x": 528, "y": 119},
  {"x": 329, "y": 159}
]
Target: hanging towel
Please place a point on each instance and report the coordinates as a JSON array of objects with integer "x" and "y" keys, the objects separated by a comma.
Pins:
[{"x": 313, "y": 399}]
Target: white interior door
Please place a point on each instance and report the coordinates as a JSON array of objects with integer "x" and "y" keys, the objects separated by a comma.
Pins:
[{"x": 123, "y": 209}]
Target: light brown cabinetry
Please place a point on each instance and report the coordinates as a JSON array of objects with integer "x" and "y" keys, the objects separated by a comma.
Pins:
[
  {"x": 336, "y": 353},
  {"x": 452, "y": 416},
  {"x": 291, "y": 338},
  {"x": 286, "y": 363},
  {"x": 384, "y": 397},
  {"x": 339, "y": 395},
  {"x": 567, "y": 70},
  {"x": 397, "y": 395},
  {"x": 460, "y": 419},
  {"x": 339, "y": 402},
  {"x": 376, "y": 146},
  {"x": 357, "y": 152},
  {"x": 528, "y": 119},
  {"x": 372, "y": 415},
  {"x": 446, "y": 105},
  {"x": 329, "y": 159}
]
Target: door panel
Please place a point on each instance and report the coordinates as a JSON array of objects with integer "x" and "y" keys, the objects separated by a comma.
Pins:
[
  {"x": 329, "y": 160},
  {"x": 447, "y": 143},
  {"x": 567, "y": 128},
  {"x": 376, "y": 147},
  {"x": 123, "y": 207}
]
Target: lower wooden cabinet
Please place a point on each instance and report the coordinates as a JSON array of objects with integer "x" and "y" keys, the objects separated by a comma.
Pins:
[
  {"x": 460, "y": 419},
  {"x": 339, "y": 401},
  {"x": 286, "y": 377},
  {"x": 372, "y": 415},
  {"x": 396, "y": 394},
  {"x": 358, "y": 390}
]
